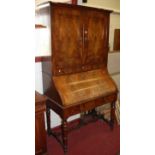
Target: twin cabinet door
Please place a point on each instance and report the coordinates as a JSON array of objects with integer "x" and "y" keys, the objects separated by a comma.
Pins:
[{"x": 79, "y": 39}]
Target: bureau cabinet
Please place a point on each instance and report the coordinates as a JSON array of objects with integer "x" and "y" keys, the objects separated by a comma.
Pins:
[{"x": 75, "y": 78}]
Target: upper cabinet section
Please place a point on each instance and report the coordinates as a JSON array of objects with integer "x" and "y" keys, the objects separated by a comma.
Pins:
[{"x": 79, "y": 37}]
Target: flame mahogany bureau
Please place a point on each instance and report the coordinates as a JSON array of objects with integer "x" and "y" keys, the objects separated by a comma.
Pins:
[{"x": 75, "y": 77}]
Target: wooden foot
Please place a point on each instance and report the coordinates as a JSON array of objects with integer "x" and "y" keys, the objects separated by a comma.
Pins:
[
  {"x": 48, "y": 119},
  {"x": 112, "y": 115},
  {"x": 64, "y": 135}
]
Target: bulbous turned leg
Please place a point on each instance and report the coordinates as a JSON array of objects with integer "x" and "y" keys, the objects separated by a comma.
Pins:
[
  {"x": 112, "y": 119},
  {"x": 64, "y": 135},
  {"x": 48, "y": 119}
]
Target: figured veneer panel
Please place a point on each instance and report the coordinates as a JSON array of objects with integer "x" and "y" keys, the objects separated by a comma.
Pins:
[
  {"x": 83, "y": 87},
  {"x": 67, "y": 40},
  {"x": 96, "y": 29}
]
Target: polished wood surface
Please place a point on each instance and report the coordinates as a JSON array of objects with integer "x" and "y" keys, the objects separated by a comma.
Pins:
[
  {"x": 40, "y": 133},
  {"x": 81, "y": 42},
  {"x": 83, "y": 87},
  {"x": 66, "y": 50},
  {"x": 78, "y": 66}
]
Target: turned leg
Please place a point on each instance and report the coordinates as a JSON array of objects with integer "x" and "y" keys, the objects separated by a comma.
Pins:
[
  {"x": 64, "y": 135},
  {"x": 48, "y": 119},
  {"x": 112, "y": 115}
]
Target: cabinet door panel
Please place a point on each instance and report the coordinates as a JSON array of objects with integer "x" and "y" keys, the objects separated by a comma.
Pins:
[
  {"x": 96, "y": 38},
  {"x": 67, "y": 40}
]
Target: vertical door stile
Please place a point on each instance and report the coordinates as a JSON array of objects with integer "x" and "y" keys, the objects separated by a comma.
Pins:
[
  {"x": 83, "y": 43},
  {"x": 85, "y": 39}
]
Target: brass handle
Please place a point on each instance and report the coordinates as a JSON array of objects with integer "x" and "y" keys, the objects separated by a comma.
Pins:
[
  {"x": 86, "y": 32},
  {"x": 83, "y": 32}
]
